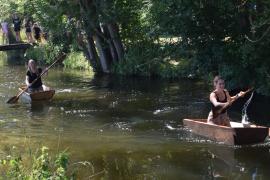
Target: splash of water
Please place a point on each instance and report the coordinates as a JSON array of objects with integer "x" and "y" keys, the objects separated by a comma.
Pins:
[
  {"x": 170, "y": 127},
  {"x": 244, "y": 110}
]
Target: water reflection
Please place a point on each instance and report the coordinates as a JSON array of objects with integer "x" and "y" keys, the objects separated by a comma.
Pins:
[
  {"x": 236, "y": 163},
  {"x": 42, "y": 107}
]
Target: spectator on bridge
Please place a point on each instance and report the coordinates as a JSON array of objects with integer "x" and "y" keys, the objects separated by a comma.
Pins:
[
  {"x": 37, "y": 32},
  {"x": 28, "y": 30},
  {"x": 17, "y": 26},
  {"x": 4, "y": 26}
]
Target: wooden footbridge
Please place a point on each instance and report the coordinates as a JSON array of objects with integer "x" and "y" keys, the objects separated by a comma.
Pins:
[{"x": 16, "y": 46}]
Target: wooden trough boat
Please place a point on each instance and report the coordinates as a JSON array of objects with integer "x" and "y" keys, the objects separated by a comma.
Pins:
[
  {"x": 238, "y": 134},
  {"x": 37, "y": 96}
]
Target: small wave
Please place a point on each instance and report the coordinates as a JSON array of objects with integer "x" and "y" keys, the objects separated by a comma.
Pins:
[
  {"x": 122, "y": 126},
  {"x": 164, "y": 110},
  {"x": 80, "y": 111},
  {"x": 64, "y": 91},
  {"x": 169, "y": 127}
]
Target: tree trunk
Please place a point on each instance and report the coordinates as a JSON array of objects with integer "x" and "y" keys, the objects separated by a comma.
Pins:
[
  {"x": 102, "y": 54},
  {"x": 93, "y": 56},
  {"x": 114, "y": 33},
  {"x": 112, "y": 50},
  {"x": 90, "y": 21}
]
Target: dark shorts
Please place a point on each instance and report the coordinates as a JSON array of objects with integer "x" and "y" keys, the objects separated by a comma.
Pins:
[
  {"x": 28, "y": 30},
  {"x": 17, "y": 28}
]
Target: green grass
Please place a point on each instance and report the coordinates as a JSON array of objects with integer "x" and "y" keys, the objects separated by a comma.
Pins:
[
  {"x": 3, "y": 58},
  {"x": 46, "y": 54},
  {"x": 76, "y": 60},
  {"x": 37, "y": 165}
]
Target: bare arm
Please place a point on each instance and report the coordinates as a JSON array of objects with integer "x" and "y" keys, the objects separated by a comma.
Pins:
[
  {"x": 27, "y": 81},
  {"x": 237, "y": 96}
]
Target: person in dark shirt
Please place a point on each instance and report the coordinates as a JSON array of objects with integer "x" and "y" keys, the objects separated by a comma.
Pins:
[
  {"x": 17, "y": 27},
  {"x": 37, "y": 32},
  {"x": 219, "y": 98},
  {"x": 28, "y": 30},
  {"x": 32, "y": 73}
]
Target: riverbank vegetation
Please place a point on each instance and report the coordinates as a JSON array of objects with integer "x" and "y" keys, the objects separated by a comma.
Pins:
[
  {"x": 47, "y": 53},
  {"x": 37, "y": 165},
  {"x": 41, "y": 164},
  {"x": 161, "y": 38}
]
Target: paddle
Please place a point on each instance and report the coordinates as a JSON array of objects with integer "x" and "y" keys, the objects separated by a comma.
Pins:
[
  {"x": 14, "y": 99},
  {"x": 218, "y": 110}
]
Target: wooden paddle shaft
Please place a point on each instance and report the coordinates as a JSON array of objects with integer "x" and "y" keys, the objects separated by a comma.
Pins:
[
  {"x": 244, "y": 93},
  {"x": 218, "y": 111}
]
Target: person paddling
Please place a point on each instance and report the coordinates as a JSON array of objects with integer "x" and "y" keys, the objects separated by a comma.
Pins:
[
  {"x": 34, "y": 72},
  {"x": 221, "y": 98}
]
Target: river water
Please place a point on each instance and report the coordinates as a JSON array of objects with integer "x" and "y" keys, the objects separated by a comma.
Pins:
[{"x": 126, "y": 128}]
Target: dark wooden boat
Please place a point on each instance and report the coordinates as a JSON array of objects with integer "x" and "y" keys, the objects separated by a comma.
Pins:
[
  {"x": 37, "y": 96},
  {"x": 238, "y": 134}
]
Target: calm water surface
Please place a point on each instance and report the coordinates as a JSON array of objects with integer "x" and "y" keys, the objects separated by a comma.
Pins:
[{"x": 127, "y": 128}]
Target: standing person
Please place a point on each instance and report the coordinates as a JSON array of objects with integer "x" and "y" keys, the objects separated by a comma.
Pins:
[
  {"x": 220, "y": 98},
  {"x": 32, "y": 73},
  {"x": 17, "y": 26},
  {"x": 4, "y": 25},
  {"x": 28, "y": 30},
  {"x": 37, "y": 32}
]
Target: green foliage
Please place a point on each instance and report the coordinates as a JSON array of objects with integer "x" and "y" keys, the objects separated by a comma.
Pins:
[
  {"x": 43, "y": 166},
  {"x": 8, "y": 7},
  {"x": 44, "y": 54},
  {"x": 149, "y": 59},
  {"x": 128, "y": 15},
  {"x": 36, "y": 53},
  {"x": 76, "y": 60},
  {"x": 47, "y": 54},
  {"x": 225, "y": 37}
]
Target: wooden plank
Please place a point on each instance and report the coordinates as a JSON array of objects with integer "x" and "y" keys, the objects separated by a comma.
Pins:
[
  {"x": 8, "y": 47},
  {"x": 235, "y": 135},
  {"x": 211, "y": 131}
]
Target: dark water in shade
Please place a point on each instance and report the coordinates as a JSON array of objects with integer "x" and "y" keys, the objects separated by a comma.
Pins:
[{"x": 128, "y": 128}]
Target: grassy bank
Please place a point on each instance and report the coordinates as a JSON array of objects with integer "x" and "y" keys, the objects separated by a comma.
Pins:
[
  {"x": 35, "y": 165},
  {"x": 47, "y": 53}
]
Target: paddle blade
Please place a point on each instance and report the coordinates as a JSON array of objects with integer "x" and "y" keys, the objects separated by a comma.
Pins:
[{"x": 13, "y": 100}]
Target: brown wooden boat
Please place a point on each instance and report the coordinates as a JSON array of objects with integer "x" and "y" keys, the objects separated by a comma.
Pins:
[
  {"x": 37, "y": 96},
  {"x": 238, "y": 134}
]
